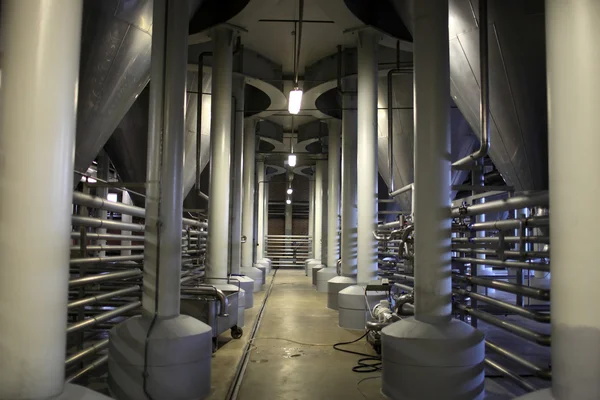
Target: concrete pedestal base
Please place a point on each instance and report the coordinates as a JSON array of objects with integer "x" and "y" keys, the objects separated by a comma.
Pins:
[
  {"x": 334, "y": 286},
  {"x": 178, "y": 360},
  {"x": 75, "y": 392},
  {"x": 544, "y": 394},
  {"x": 423, "y": 361},
  {"x": 256, "y": 275},
  {"x": 265, "y": 263},
  {"x": 310, "y": 266},
  {"x": 247, "y": 284},
  {"x": 306, "y": 262},
  {"x": 353, "y": 306},
  {"x": 323, "y": 276},
  {"x": 315, "y": 270},
  {"x": 263, "y": 271}
]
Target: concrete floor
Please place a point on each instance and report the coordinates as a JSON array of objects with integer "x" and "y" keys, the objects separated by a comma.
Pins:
[{"x": 292, "y": 356}]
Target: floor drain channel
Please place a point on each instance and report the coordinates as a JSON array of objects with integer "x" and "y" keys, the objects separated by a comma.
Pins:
[{"x": 234, "y": 389}]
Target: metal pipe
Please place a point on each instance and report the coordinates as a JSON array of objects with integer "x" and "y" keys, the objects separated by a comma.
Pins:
[
  {"x": 299, "y": 38},
  {"x": 539, "y": 372},
  {"x": 102, "y": 223},
  {"x": 318, "y": 227},
  {"x": 238, "y": 163},
  {"x": 108, "y": 236},
  {"x": 536, "y": 337},
  {"x": 105, "y": 316},
  {"x": 90, "y": 367},
  {"x": 109, "y": 259},
  {"x": 533, "y": 315},
  {"x": 109, "y": 247},
  {"x": 506, "y": 264},
  {"x": 248, "y": 173},
  {"x": 40, "y": 69},
  {"x": 199, "y": 103},
  {"x": 510, "y": 224},
  {"x": 540, "y": 199},
  {"x": 508, "y": 254},
  {"x": 333, "y": 193},
  {"x": 260, "y": 214},
  {"x": 484, "y": 81},
  {"x": 105, "y": 296},
  {"x": 534, "y": 293},
  {"x": 368, "y": 42},
  {"x": 505, "y": 371},
  {"x": 209, "y": 291},
  {"x": 93, "y": 349},
  {"x": 104, "y": 277},
  {"x": 507, "y": 239}
]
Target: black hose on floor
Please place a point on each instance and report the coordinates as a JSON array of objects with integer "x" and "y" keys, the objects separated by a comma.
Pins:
[{"x": 368, "y": 363}]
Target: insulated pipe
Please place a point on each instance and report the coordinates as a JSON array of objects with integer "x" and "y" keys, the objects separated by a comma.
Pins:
[
  {"x": 260, "y": 219},
  {"x": 164, "y": 197},
  {"x": 368, "y": 41},
  {"x": 333, "y": 194},
  {"x": 40, "y": 67},
  {"x": 349, "y": 176},
  {"x": 572, "y": 29},
  {"x": 248, "y": 190},
  {"x": 318, "y": 231},
  {"x": 235, "y": 258},
  {"x": 484, "y": 80},
  {"x": 218, "y": 206},
  {"x": 433, "y": 279}
]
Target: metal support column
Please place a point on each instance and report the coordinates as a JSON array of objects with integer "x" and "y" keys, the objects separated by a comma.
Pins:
[
  {"x": 456, "y": 367},
  {"x": 102, "y": 191},
  {"x": 218, "y": 205},
  {"x": 572, "y": 29},
  {"x": 37, "y": 134},
  {"x": 318, "y": 224},
  {"x": 237, "y": 194},
  {"x": 260, "y": 217}
]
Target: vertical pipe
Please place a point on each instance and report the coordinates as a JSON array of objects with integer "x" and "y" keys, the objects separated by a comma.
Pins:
[
  {"x": 164, "y": 197},
  {"x": 238, "y": 166},
  {"x": 37, "y": 134},
  {"x": 367, "y": 155},
  {"x": 333, "y": 194},
  {"x": 126, "y": 218},
  {"x": 218, "y": 206},
  {"x": 266, "y": 215},
  {"x": 572, "y": 29},
  {"x": 311, "y": 216},
  {"x": 318, "y": 231},
  {"x": 248, "y": 189},
  {"x": 432, "y": 167},
  {"x": 288, "y": 221},
  {"x": 260, "y": 215},
  {"x": 349, "y": 178},
  {"x": 102, "y": 191}
]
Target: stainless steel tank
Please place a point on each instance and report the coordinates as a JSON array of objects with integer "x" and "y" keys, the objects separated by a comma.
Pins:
[{"x": 517, "y": 82}]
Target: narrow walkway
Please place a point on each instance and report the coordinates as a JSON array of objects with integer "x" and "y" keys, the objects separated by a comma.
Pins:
[{"x": 292, "y": 356}]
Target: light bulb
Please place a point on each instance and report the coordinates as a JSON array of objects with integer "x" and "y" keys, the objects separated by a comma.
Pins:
[
  {"x": 290, "y": 191},
  {"x": 292, "y": 160},
  {"x": 288, "y": 201},
  {"x": 294, "y": 101}
]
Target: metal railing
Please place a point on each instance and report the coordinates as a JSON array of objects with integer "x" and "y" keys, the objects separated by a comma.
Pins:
[
  {"x": 288, "y": 251},
  {"x": 500, "y": 277}
]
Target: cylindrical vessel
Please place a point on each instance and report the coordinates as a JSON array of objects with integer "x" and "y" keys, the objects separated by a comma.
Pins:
[
  {"x": 164, "y": 198},
  {"x": 248, "y": 190},
  {"x": 41, "y": 42},
  {"x": 235, "y": 258},
  {"x": 218, "y": 205},
  {"x": 333, "y": 194},
  {"x": 368, "y": 41}
]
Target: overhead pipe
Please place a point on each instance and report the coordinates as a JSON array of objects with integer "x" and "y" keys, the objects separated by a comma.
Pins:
[{"x": 484, "y": 81}]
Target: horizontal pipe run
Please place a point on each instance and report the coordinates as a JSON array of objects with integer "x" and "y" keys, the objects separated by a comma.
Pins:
[
  {"x": 90, "y": 367},
  {"x": 510, "y": 224},
  {"x": 404, "y": 189},
  {"x": 512, "y": 203},
  {"x": 103, "y": 204},
  {"x": 105, "y": 296},
  {"x": 104, "y": 223},
  {"x": 533, "y": 315},
  {"x": 534, "y": 293},
  {"x": 403, "y": 287},
  {"x": 505, "y": 264},
  {"x": 539, "y": 372},
  {"x": 109, "y": 259},
  {"x": 536, "y": 337},
  {"x": 409, "y": 278},
  {"x": 389, "y": 225},
  {"x": 507, "y": 239},
  {"x": 86, "y": 323},
  {"x": 510, "y": 374},
  {"x": 107, "y": 236},
  {"x": 93, "y": 349},
  {"x": 507, "y": 253},
  {"x": 105, "y": 277},
  {"x": 109, "y": 247}
]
